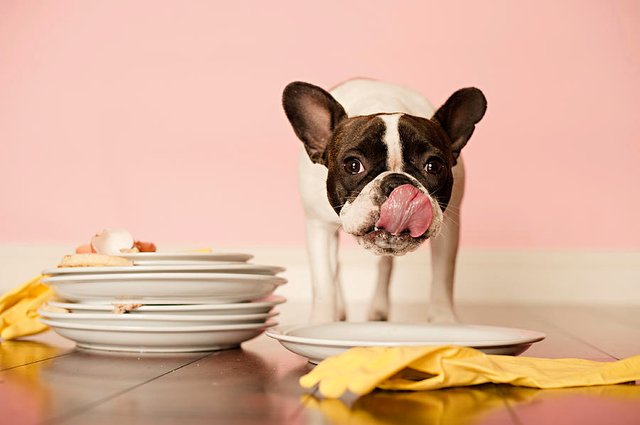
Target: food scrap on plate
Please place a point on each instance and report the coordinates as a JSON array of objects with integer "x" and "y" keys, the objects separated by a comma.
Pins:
[
  {"x": 114, "y": 242},
  {"x": 104, "y": 248}
]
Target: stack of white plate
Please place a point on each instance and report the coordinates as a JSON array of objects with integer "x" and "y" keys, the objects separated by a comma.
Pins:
[{"x": 172, "y": 302}]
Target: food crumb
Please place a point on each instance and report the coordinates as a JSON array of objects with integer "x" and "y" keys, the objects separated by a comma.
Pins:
[{"x": 124, "y": 308}]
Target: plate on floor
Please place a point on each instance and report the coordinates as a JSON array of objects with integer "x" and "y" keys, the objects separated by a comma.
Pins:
[
  {"x": 154, "y": 320},
  {"x": 155, "y": 258},
  {"x": 317, "y": 342},
  {"x": 157, "y": 288},
  {"x": 158, "y": 339},
  {"x": 177, "y": 268},
  {"x": 262, "y": 305}
]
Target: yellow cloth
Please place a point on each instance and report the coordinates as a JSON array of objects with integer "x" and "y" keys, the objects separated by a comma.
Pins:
[
  {"x": 19, "y": 309},
  {"x": 360, "y": 370}
]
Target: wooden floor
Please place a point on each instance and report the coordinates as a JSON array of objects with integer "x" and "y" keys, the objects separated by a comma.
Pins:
[{"x": 45, "y": 380}]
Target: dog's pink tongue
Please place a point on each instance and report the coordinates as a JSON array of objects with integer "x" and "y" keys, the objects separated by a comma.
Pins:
[{"x": 407, "y": 208}]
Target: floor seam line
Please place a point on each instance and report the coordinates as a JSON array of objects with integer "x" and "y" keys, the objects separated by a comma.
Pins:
[{"x": 36, "y": 361}]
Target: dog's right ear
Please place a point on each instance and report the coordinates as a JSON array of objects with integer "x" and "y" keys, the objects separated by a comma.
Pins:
[{"x": 313, "y": 114}]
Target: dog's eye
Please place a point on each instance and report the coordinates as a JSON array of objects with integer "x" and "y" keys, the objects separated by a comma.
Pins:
[
  {"x": 353, "y": 165},
  {"x": 434, "y": 166}
]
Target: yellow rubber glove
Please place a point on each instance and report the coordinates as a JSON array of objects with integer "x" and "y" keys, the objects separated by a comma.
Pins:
[
  {"x": 19, "y": 309},
  {"x": 360, "y": 370}
]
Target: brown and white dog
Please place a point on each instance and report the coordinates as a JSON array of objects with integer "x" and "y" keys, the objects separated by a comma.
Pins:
[{"x": 381, "y": 165}]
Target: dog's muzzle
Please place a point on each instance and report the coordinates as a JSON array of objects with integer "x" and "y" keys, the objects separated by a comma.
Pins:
[
  {"x": 407, "y": 209},
  {"x": 391, "y": 215}
]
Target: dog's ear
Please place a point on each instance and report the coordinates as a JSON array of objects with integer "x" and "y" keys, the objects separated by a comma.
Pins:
[
  {"x": 459, "y": 115},
  {"x": 313, "y": 114}
]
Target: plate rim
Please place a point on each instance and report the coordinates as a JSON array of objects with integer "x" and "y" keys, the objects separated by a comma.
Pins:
[
  {"x": 141, "y": 317},
  {"x": 159, "y": 329},
  {"x": 57, "y": 271},
  {"x": 167, "y": 349},
  {"x": 83, "y": 278},
  {"x": 182, "y": 255},
  {"x": 277, "y": 334},
  {"x": 259, "y": 303}
]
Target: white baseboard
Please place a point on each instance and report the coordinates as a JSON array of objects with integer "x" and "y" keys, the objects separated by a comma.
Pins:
[{"x": 483, "y": 275}]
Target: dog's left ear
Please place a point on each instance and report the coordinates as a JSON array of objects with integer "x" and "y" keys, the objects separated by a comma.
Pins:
[
  {"x": 459, "y": 115},
  {"x": 313, "y": 114}
]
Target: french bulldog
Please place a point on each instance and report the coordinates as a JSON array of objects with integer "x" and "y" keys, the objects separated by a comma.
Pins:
[{"x": 382, "y": 164}]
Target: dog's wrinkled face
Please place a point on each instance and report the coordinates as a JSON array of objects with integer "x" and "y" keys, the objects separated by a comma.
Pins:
[
  {"x": 389, "y": 175},
  {"x": 368, "y": 157}
]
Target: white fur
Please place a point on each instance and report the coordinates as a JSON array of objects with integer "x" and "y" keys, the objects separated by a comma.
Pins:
[
  {"x": 392, "y": 140},
  {"x": 364, "y": 97}
]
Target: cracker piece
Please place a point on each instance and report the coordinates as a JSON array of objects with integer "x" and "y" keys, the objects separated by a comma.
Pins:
[{"x": 94, "y": 260}]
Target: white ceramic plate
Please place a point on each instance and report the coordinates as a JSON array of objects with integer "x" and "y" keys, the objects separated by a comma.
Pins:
[
  {"x": 156, "y": 258},
  {"x": 158, "y": 339},
  {"x": 154, "y": 320},
  {"x": 263, "y": 305},
  {"x": 176, "y": 268},
  {"x": 157, "y": 288},
  {"x": 317, "y": 342}
]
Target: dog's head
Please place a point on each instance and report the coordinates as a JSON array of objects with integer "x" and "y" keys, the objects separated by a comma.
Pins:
[{"x": 389, "y": 175}]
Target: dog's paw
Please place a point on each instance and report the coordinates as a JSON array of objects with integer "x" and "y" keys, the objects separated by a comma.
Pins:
[
  {"x": 378, "y": 309},
  {"x": 441, "y": 315},
  {"x": 378, "y": 315},
  {"x": 327, "y": 314}
]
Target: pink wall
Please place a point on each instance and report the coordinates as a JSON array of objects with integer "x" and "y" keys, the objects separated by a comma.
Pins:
[{"x": 164, "y": 117}]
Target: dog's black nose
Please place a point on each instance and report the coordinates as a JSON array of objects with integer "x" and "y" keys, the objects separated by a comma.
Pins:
[{"x": 392, "y": 181}]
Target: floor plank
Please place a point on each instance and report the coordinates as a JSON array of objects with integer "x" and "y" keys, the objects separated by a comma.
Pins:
[
  {"x": 628, "y": 315},
  {"x": 616, "y": 338},
  {"x": 63, "y": 385},
  {"x": 255, "y": 384},
  {"x": 48, "y": 382},
  {"x": 611, "y": 405},
  {"x": 34, "y": 349},
  {"x": 262, "y": 388}
]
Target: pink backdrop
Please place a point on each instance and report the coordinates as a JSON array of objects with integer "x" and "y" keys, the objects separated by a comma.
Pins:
[{"x": 164, "y": 117}]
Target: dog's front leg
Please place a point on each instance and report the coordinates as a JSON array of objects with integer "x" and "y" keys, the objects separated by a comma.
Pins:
[
  {"x": 322, "y": 248},
  {"x": 444, "y": 250},
  {"x": 379, "y": 308}
]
